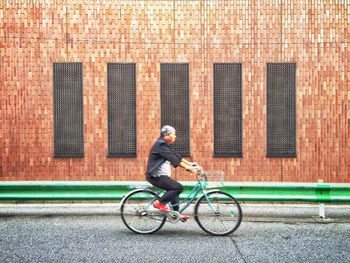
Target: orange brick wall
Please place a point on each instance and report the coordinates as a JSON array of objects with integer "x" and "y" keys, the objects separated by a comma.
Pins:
[{"x": 314, "y": 34}]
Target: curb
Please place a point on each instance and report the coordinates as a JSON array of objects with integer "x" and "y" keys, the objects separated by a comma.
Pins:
[{"x": 252, "y": 212}]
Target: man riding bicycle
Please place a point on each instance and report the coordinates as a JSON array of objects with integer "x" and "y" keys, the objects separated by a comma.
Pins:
[{"x": 159, "y": 173}]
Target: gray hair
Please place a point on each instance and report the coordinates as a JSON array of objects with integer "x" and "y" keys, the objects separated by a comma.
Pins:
[{"x": 167, "y": 129}]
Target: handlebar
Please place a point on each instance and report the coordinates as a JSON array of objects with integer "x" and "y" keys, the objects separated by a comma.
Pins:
[{"x": 200, "y": 172}]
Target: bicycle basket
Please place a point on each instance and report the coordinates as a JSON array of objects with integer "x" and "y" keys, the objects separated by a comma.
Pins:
[{"x": 213, "y": 179}]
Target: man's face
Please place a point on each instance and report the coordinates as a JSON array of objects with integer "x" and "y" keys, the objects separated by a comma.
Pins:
[{"x": 170, "y": 138}]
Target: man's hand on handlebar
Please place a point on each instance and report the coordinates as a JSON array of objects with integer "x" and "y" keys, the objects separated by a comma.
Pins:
[
  {"x": 195, "y": 167},
  {"x": 192, "y": 167}
]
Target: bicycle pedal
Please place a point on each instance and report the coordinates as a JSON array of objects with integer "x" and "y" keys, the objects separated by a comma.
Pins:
[
  {"x": 184, "y": 218},
  {"x": 173, "y": 216}
]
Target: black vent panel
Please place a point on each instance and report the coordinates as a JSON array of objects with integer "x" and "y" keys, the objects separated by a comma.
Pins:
[
  {"x": 228, "y": 109},
  {"x": 281, "y": 109},
  {"x": 174, "y": 85},
  {"x": 68, "y": 109},
  {"x": 121, "y": 109}
]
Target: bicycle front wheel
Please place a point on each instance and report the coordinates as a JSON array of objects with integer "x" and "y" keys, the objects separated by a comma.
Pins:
[
  {"x": 138, "y": 213},
  {"x": 218, "y": 213}
]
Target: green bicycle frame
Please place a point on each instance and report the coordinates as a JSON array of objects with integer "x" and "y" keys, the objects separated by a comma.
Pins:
[{"x": 192, "y": 196}]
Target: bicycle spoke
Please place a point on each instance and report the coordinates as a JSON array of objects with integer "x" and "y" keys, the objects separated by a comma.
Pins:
[
  {"x": 218, "y": 213},
  {"x": 139, "y": 215}
]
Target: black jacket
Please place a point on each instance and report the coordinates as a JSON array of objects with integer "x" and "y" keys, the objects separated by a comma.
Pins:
[{"x": 161, "y": 152}]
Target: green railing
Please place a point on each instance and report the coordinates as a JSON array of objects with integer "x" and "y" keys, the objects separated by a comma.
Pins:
[{"x": 280, "y": 192}]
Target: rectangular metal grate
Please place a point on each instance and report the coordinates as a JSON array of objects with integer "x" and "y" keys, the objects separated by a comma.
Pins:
[
  {"x": 174, "y": 90},
  {"x": 121, "y": 109},
  {"x": 281, "y": 109},
  {"x": 227, "y": 109},
  {"x": 68, "y": 109}
]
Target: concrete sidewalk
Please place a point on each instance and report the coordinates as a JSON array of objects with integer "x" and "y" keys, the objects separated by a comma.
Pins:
[{"x": 251, "y": 211}]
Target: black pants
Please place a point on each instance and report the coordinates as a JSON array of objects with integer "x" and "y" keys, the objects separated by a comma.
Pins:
[{"x": 172, "y": 188}]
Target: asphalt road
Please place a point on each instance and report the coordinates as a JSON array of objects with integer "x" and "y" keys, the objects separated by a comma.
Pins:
[{"x": 104, "y": 238}]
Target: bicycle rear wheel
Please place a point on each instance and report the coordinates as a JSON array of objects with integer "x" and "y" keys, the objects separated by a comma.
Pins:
[
  {"x": 218, "y": 213},
  {"x": 138, "y": 213}
]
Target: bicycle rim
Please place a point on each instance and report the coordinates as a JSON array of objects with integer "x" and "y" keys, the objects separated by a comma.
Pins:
[
  {"x": 138, "y": 213},
  {"x": 218, "y": 213}
]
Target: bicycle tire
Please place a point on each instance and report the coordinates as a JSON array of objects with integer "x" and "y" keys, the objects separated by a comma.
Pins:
[
  {"x": 218, "y": 213},
  {"x": 139, "y": 215}
]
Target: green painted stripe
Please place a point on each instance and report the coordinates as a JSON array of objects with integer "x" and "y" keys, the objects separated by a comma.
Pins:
[{"x": 307, "y": 192}]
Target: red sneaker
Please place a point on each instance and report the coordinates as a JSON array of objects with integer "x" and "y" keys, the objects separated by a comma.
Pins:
[
  {"x": 161, "y": 206},
  {"x": 184, "y": 218}
]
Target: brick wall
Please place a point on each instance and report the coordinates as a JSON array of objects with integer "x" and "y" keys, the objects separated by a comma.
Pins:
[{"x": 314, "y": 34}]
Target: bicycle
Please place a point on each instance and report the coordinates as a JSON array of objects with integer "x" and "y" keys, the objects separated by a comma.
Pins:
[{"x": 216, "y": 212}]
